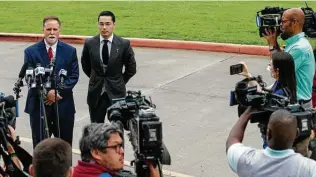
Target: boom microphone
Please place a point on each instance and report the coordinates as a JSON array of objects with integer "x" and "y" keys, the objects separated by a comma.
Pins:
[{"x": 23, "y": 70}]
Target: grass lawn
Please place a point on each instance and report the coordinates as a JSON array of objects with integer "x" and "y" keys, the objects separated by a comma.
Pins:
[{"x": 225, "y": 22}]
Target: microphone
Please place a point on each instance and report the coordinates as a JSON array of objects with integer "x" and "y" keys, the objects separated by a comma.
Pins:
[
  {"x": 29, "y": 75},
  {"x": 39, "y": 70},
  {"x": 23, "y": 70},
  {"x": 62, "y": 75}
]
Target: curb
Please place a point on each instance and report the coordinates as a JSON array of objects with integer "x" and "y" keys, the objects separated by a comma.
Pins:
[{"x": 152, "y": 43}]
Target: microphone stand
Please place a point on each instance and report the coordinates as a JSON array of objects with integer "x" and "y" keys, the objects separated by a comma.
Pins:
[
  {"x": 56, "y": 101},
  {"x": 42, "y": 109}
]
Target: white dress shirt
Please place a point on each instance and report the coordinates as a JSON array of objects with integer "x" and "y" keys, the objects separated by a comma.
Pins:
[{"x": 54, "y": 47}]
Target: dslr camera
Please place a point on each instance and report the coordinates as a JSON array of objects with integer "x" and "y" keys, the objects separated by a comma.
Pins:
[{"x": 270, "y": 17}]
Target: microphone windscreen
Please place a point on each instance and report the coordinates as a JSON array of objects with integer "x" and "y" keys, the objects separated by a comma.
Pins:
[{"x": 23, "y": 70}]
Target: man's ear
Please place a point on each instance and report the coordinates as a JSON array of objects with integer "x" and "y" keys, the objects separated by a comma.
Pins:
[
  {"x": 31, "y": 170},
  {"x": 95, "y": 154}
]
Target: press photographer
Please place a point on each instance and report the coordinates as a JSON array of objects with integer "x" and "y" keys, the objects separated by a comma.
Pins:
[
  {"x": 267, "y": 101},
  {"x": 281, "y": 69},
  {"x": 278, "y": 159}
]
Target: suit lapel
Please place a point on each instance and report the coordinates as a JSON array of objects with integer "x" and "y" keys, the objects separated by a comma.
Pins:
[
  {"x": 96, "y": 47},
  {"x": 115, "y": 48},
  {"x": 59, "y": 52},
  {"x": 44, "y": 55}
]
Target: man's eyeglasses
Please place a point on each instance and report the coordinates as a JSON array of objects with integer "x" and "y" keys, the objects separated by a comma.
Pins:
[
  {"x": 116, "y": 147},
  {"x": 284, "y": 21}
]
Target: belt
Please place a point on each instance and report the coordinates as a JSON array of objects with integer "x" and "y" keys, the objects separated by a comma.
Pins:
[{"x": 304, "y": 101}]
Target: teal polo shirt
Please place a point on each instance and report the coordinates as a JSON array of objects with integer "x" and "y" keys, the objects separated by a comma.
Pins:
[{"x": 301, "y": 50}]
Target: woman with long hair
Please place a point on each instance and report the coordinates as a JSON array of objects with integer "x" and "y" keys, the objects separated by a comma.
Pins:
[{"x": 282, "y": 69}]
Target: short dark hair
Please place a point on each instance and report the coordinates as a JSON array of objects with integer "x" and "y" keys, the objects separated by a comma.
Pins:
[
  {"x": 107, "y": 13},
  {"x": 96, "y": 136},
  {"x": 52, "y": 157},
  {"x": 51, "y": 18}
]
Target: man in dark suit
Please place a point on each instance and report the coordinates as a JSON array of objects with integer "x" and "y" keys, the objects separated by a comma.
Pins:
[
  {"x": 65, "y": 56},
  {"x": 103, "y": 58}
]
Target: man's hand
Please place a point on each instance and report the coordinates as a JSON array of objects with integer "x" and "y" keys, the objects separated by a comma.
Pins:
[
  {"x": 12, "y": 132},
  {"x": 271, "y": 37},
  {"x": 153, "y": 172},
  {"x": 51, "y": 97}
]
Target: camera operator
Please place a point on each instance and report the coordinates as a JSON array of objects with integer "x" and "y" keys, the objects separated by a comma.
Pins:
[
  {"x": 278, "y": 159},
  {"x": 102, "y": 153},
  {"x": 282, "y": 69},
  {"x": 298, "y": 46}
]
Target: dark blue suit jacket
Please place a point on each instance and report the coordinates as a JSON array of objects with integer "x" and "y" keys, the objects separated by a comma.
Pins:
[{"x": 66, "y": 58}]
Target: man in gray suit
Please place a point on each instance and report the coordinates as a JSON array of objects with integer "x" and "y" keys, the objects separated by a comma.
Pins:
[{"x": 103, "y": 58}]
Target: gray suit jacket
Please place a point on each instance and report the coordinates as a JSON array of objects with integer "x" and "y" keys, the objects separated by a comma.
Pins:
[{"x": 112, "y": 75}]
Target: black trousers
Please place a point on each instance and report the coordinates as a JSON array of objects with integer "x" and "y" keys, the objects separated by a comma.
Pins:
[
  {"x": 66, "y": 125},
  {"x": 98, "y": 113}
]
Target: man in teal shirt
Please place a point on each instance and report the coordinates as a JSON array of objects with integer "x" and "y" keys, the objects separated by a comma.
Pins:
[{"x": 298, "y": 46}]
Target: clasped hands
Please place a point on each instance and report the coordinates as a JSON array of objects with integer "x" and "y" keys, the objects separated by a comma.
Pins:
[{"x": 50, "y": 98}]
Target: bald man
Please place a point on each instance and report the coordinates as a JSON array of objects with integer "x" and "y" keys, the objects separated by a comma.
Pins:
[
  {"x": 278, "y": 159},
  {"x": 301, "y": 50}
]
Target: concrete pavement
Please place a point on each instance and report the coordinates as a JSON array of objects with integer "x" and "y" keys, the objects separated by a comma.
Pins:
[{"x": 191, "y": 91}]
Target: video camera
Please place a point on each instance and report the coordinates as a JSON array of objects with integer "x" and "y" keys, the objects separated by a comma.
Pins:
[
  {"x": 8, "y": 117},
  {"x": 266, "y": 103},
  {"x": 136, "y": 114},
  {"x": 271, "y": 18}
]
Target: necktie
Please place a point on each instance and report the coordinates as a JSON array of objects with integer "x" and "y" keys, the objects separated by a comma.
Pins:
[
  {"x": 50, "y": 54},
  {"x": 105, "y": 52}
]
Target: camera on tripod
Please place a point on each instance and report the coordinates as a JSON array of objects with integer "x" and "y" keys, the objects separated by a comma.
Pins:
[
  {"x": 271, "y": 17},
  {"x": 266, "y": 103},
  {"x": 136, "y": 114}
]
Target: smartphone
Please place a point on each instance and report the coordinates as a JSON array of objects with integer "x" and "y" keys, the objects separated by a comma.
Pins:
[{"x": 235, "y": 69}]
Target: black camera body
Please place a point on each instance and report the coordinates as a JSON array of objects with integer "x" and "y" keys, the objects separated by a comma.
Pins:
[
  {"x": 8, "y": 117},
  {"x": 271, "y": 17},
  {"x": 266, "y": 103},
  {"x": 136, "y": 114}
]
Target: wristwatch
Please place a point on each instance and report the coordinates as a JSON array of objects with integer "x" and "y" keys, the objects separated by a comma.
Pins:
[{"x": 271, "y": 48}]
